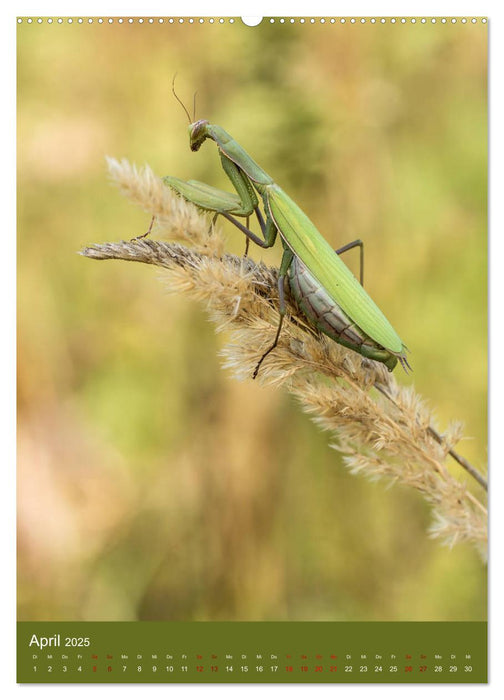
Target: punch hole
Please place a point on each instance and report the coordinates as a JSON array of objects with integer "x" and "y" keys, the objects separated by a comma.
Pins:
[{"x": 251, "y": 21}]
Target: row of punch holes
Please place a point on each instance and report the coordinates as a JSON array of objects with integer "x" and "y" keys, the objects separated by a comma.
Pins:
[{"x": 251, "y": 21}]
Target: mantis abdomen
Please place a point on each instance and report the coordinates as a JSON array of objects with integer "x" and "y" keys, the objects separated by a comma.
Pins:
[{"x": 325, "y": 314}]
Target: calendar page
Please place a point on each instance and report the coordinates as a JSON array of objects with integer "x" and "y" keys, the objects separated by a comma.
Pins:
[{"x": 259, "y": 456}]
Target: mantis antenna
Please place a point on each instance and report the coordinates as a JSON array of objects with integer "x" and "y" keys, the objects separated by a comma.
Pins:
[
  {"x": 180, "y": 101},
  {"x": 194, "y": 106}
]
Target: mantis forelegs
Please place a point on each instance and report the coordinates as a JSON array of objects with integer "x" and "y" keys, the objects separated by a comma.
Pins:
[{"x": 229, "y": 205}]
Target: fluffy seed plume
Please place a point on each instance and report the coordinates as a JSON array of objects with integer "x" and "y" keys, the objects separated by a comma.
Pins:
[{"x": 383, "y": 430}]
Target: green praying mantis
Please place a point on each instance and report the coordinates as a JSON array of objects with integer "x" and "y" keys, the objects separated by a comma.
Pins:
[{"x": 329, "y": 295}]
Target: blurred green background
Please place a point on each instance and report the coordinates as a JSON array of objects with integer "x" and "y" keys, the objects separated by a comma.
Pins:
[{"x": 153, "y": 486}]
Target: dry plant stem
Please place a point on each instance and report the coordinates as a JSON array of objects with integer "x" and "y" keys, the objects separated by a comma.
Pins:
[
  {"x": 439, "y": 438},
  {"x": 388, "y": 433},
  {"x": 461, "y": 460}
]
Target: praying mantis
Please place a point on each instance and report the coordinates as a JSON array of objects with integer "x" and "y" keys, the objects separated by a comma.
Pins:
[{"x": 327, "y": 292}]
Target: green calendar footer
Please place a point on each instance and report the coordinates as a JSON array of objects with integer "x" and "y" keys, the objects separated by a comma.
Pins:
[{"x": 252, "y": 652}]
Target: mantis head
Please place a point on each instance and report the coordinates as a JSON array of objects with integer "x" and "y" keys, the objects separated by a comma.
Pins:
[{"x": 197, "y": 134}]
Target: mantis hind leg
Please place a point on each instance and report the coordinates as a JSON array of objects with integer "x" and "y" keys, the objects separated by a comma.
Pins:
[
  {"x": 287, "y": 257},
  {"x": 349, "y": 246},
  {"x": 247, "y": 239}
]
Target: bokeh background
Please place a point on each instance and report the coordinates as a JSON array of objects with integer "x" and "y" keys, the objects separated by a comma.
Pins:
[{"x": 152, "y": 486}]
